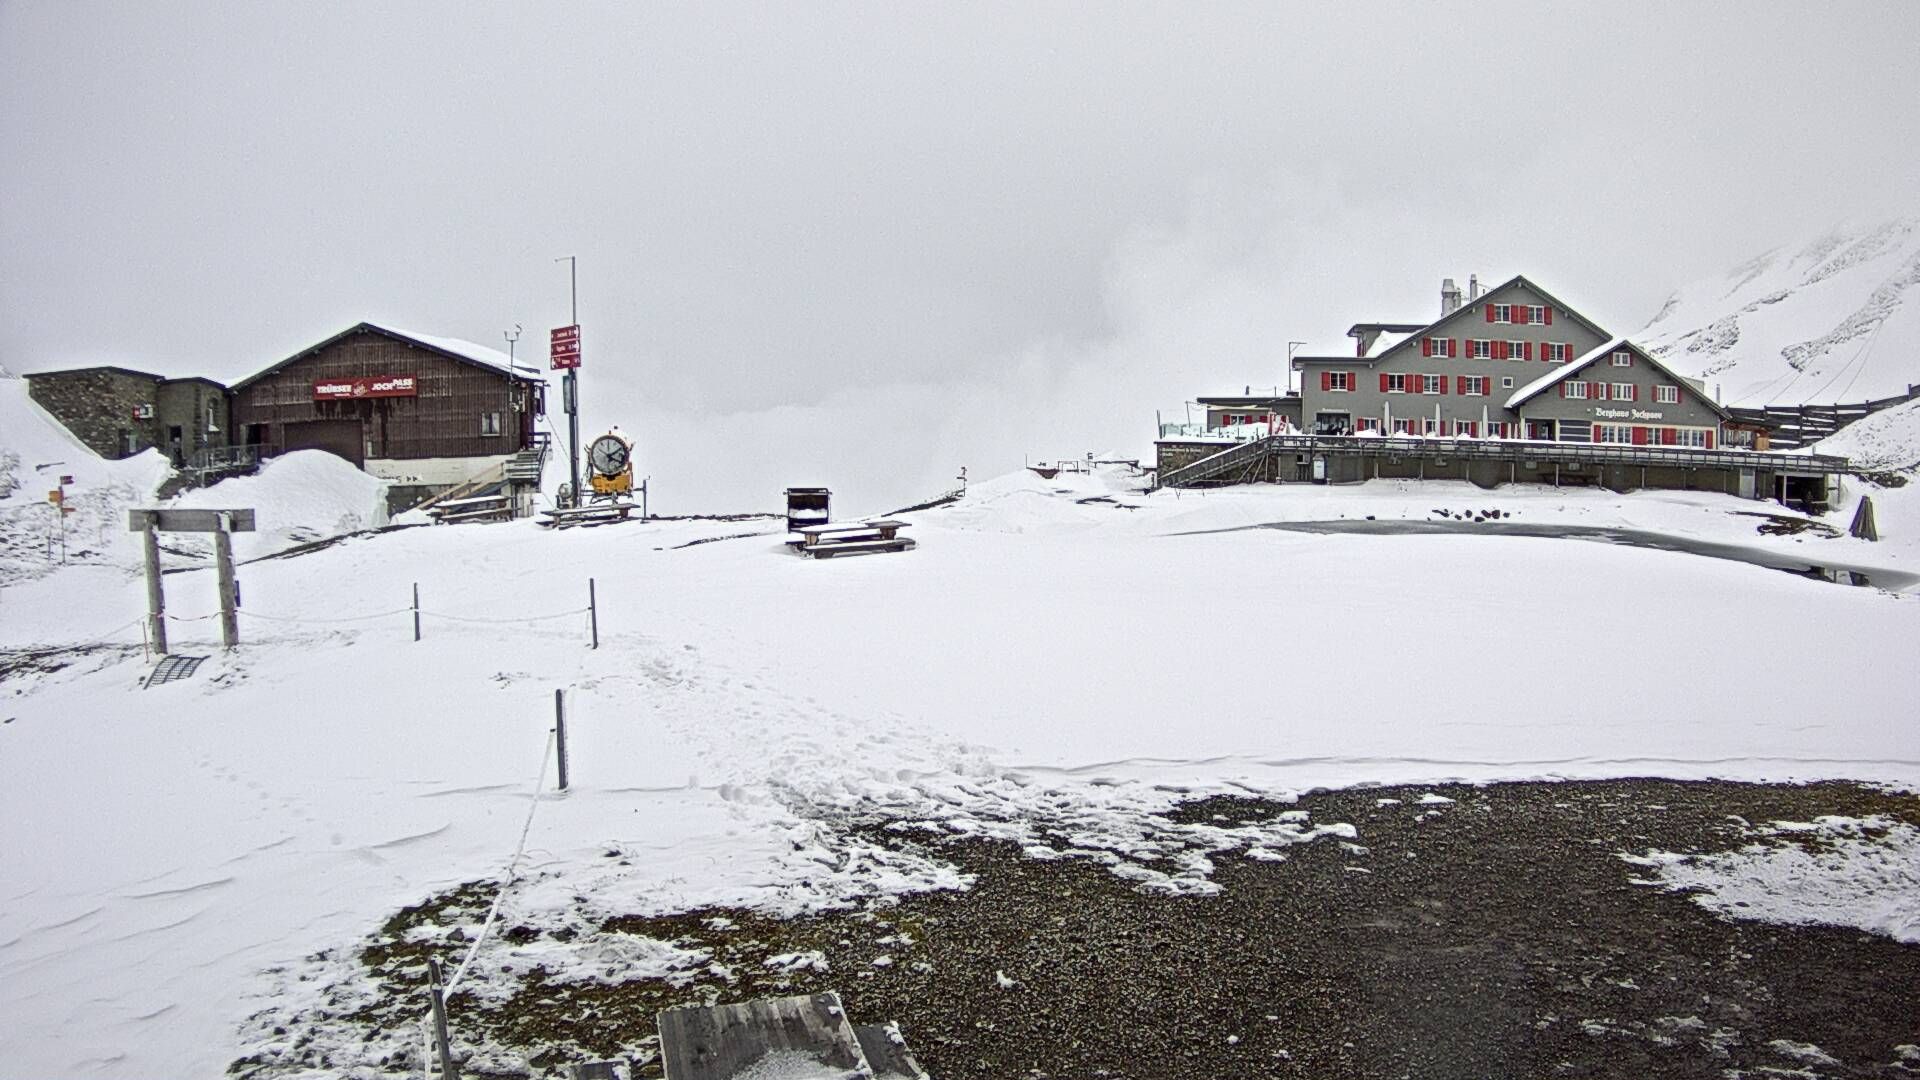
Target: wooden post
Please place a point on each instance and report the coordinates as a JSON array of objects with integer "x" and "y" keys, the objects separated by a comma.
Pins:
[
  {"x": 416, "y": 611},
  {"x": 593, "y": 613},
  {"x": 223, "y": 561},
  {"x": 447, "y": 1069},
  {"x": 560, "y": 734},
  {"x": 156, "y": 595}
]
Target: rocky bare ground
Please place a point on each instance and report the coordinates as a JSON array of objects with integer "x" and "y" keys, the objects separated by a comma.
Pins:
[{"x": 1497, "y": 935}]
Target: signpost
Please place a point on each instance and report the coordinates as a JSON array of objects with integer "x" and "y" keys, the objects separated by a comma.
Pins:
[
  {"x": 222, "y": 524},
  {"x": 565, "y": 356}
]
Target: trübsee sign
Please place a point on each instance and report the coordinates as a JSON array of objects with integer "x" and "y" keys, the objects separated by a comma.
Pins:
[
  {"x": 565, "y": 354},
  {"x": 371, "y": 386}
]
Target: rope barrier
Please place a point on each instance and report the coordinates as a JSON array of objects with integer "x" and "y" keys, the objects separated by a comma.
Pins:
[
  {"x": 342, "y": 619},
  {"x": 493, "y": 913},
  {"x": 513, "y": 619}
]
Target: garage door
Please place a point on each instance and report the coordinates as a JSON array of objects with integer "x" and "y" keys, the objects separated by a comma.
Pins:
[{"x": 340, "y": 437}]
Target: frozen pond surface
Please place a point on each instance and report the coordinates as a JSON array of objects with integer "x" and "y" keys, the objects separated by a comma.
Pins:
[{"x": 1825, "y": 569}]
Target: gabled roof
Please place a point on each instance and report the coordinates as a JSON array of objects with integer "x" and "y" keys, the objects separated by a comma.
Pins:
[
  {"x": 1467, "y": 310},
  {"x": 1537, "y": 386},
  {"x": 1384, "y": 327},
  {"x": 91, "y": 370},
  {"x": 466, "y": 352}
]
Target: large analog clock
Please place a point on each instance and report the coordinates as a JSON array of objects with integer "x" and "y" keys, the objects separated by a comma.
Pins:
[{"x": 608, "y": 456}]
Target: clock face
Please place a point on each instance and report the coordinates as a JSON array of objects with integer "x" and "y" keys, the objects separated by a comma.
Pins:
[{"x": 608, "y": 455}]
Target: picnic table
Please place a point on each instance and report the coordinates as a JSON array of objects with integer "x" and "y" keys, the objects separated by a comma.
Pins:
[
  {"x": 606, "y": 513},
  {"x": 852, "y": 538},
  {"x": 477, "y": 508}
]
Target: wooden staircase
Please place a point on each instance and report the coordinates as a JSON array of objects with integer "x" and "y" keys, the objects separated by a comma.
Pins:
[{"x": 1235, "y": 464}]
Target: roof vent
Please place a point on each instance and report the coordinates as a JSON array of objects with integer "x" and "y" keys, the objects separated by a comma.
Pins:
[{"x": 1449, "y": 297}]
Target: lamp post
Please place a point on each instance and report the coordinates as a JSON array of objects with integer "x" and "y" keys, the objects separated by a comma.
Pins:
[
  {"x": 513, "y": 337},
  {"x": 1291, "y": 345}
]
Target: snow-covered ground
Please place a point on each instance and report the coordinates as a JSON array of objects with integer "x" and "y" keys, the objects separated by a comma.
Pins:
[
  {"x": 1834, "y": 319},
  {"x": 1058, "y": 662}
]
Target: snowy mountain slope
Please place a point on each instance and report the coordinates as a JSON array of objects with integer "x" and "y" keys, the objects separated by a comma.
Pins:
[
  {"x": 1834, "y": 320},
  {"x": 1020, "y": 674}
]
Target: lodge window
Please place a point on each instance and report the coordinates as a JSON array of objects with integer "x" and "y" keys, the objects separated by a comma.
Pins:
[
  {"x": 1438, "y": 346},
  {"x": 1396, "y": 384},
  {"x": 1503, "y": 313},
  {"x": 1623, "y": 359},
  {"x": 490, "y": 423},
  {"x": 1506, "y": 382},
  {"x": 1367, "y": 423},
  {"x": 1430, "y": 426},
  {"x": 1463, "y": 428},
  {"x": 1403, "y": 427},
  {"x": 1430, "y": 384},
  {"x": 1553, "y": 352},
  {"x": 1576, "y": 390},
  {"x": 1537, "y": 314},
  {"x": 1518, "y": 350},
  {"x": 1340, "y": 380},
  {"x": 1692, "y": 437},
  {"x": 1496, "y": 429},
  {"x": 1666, "y": 395},
  {"x": 1623, "y": 391},
  {"x": 1476, "y": 386},
  {"x": 1612, "y": 433},
  {"x": 1480, "y": 349}
]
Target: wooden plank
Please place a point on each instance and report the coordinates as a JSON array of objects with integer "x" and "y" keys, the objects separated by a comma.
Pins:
[
  {"x": 177, "y": 520},
  {"x": 858, "y": 547},
  {"x": 850, "y": 526},
  {"x": 718, "y": 1042}
]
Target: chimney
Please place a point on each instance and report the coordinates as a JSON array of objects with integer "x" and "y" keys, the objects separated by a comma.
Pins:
[
  {"x": 1473, "y": 288},
  {"x": 1449, "y": 297}
]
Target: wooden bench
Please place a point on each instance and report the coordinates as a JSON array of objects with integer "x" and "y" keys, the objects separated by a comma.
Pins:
[
  {"x": 589, "y": 515},
  {"x": 854, "y": 538},
  {"x": 478, "y": 508}
]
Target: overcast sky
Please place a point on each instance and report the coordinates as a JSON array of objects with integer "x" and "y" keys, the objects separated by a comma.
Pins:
[{"x": 863, "y": 245}]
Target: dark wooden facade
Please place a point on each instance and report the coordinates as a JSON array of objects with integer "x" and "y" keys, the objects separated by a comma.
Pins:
[{"x": 460, "y": 407}]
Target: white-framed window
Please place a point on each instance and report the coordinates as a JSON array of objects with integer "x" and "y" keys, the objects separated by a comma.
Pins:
[
  {"x": 489, "y": 423},
  {"x": 1623, "y": 391},
  {"x": 1479, "y": 349},
  {"x": 1612, "y": 433},
  {"x": 1517, "y": 350},
  {"x": 1430, "y": 426},
  {"x": 1503, "y": 313},
  {"x": 1430, "y": 384},
  {"x": 1402, "y": 427},
  {"x": 1476, "y": 386},
  {"x": 1506, "y": 382},
  {"x": 1440, "y": 346},
  {"x": 1692, "y": 437},
  {"x": 1666, "y": 395},
  {"x": 1623, "y": 358},
  {"x": 1463, "y": 428},
  {"x": 1496, "y": 429},
  {"x": 1367, "y": 423},
  {"x": 1577, "y": 391},
  {"x": 1340, "y": 380},
  {"x": 1396, "y": 384},
  {"x": 1537, "y": 315},
  {"x": 1553, "y": 352}
]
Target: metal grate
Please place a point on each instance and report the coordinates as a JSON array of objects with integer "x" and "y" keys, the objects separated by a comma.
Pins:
[{"x": 172, "y": 669}]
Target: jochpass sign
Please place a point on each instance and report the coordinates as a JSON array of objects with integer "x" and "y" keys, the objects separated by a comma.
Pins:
[{"x": 565, "y": 348}]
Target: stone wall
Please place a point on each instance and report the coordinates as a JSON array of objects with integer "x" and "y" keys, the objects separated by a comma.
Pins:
[{"x": 98, "y": 406}]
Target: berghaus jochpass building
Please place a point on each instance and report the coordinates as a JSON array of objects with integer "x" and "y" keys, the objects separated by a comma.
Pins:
[{"x": 1508, "y": 385}]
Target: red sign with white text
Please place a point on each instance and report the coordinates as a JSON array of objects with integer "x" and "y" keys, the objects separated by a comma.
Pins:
[
  {"x": 565, "y": 348},
  {"x": 368, "y": 387}
]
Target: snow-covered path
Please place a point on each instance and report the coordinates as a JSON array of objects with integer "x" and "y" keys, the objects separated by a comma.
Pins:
[{"x": 166, "y": 848}]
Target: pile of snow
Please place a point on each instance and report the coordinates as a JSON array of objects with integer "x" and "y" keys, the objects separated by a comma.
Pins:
[
  {"x": 296, "y": 498},
  {"x": 1833, "y": 871},
  {"x": 1887, "y": 441},
  {"x": 1836, "y": 319}
]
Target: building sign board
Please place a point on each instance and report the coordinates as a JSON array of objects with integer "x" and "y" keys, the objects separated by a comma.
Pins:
[
  {"x": 565, "y": 347},
  {"x": 1627, "y": 414},
  {"x": 371, "y": 386},
  {"x": 190, "y": 520}
]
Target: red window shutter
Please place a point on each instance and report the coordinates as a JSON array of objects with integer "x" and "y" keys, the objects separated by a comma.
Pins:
[
  {"x": 1460, "y": 384},
  {"x": 1679, "y": 395},
  {"x": 1489, "y": 312},
  {"x": 1639, "y": 436},
  {"x": 1326, "y": 381},
  {"x": 1529, "y": 354},
  {"x": 1453, "y": 347},
  {"x": 1563, "y": 389},
  {"x": 1634, "y": 393},
  {"x": 1499, "y": 350},
  {"x": 1443, "y": 386},
  {"x": 1709, "y": 439},
  {"x": 1383, "y": 382},
  {"x": 1549, "y": 313},
  {"x": 1426, "y": 346}
]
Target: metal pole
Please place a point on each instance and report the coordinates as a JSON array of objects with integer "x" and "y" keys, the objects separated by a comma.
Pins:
[
  {"x": 416, "y": 611},
  {"x": 593, "y": 610},
  {"x": 223, "y": 561},
  {"x": 156, "y": 596},
  {"x": 447, "y": 1069},
  {"x": 571, "y": 384},
  {"x": 560, "y": 734}
]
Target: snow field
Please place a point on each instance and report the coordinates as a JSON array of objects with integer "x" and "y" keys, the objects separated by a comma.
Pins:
[{"x": 1055, "y": 672}]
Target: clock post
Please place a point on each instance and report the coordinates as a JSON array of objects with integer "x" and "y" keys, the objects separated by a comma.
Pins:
[{"x": 566, "y": 355}]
